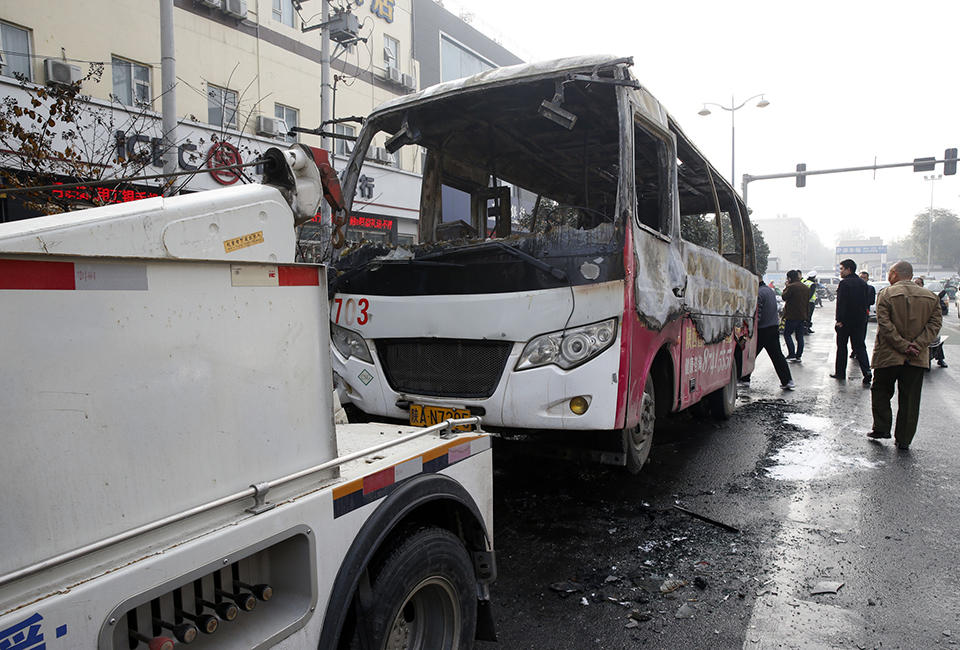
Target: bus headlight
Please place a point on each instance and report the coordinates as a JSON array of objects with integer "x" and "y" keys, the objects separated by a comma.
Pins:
[
  {"x": 570, "y": 348},
  {"x": 349, "y": 343}
]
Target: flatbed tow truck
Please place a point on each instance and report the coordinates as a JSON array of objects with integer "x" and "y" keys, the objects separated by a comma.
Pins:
[{"x": 171, "y": 469}]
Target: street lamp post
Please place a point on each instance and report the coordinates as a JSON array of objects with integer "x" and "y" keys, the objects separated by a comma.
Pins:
[
  {"x": 932, "y": 178},
  {"x": 733, "y": 108}
]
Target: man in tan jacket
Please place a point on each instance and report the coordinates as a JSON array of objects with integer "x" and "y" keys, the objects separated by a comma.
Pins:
[{"x": 908, "y": 319}]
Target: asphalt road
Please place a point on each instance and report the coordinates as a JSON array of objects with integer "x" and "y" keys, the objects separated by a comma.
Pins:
[{"x": 590, "y": 557}]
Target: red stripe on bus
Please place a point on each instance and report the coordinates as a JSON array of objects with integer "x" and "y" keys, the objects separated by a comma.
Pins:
[
  {"x": 381, "y": 479},
  {"x": 299, "y": 276},
  {"x": 34, "y": 275}
]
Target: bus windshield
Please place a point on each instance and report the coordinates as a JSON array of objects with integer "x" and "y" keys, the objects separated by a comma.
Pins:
[{"x": 505, "y": 166}]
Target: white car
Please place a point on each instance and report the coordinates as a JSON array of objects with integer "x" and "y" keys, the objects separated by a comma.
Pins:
[{"x": 882, "y": 284}]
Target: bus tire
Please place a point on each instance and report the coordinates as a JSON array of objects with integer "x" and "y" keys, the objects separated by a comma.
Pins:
[
  {"x": 722, "y": 401},
  {"x": 638, "y": 440},
  {"x": 424, "y": 594}
]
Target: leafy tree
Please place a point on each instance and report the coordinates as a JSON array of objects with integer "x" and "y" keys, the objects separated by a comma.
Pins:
[
  {"x": 702, "y": 230},
  {"x": 943, "y": 238}
]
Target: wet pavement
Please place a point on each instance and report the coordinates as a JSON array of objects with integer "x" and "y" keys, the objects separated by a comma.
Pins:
[{"x": 591, "y": 557}]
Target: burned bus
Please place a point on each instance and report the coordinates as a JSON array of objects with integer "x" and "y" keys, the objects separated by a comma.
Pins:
[{"x": 555, "y": 289}]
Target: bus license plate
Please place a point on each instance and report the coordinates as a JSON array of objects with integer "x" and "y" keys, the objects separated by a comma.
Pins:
[{"x": 423, "y": 415}]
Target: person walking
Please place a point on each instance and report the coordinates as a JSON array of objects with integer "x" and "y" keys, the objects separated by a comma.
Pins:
[
  {"x": 871, "y": 300},
  {"x": 795, "y": 298},
  {"x": 768, "y": 335},
  {"x": 908, "y": 319},
  {"x": 812, "y": 283},
  {"x": 851, "y": 325}
]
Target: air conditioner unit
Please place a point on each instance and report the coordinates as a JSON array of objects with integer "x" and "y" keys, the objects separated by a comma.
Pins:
[
  {"x": 407, "y": 81},
  {"x": 216, "y": 4},
  {"x": 393, "y": 74},
  {"x": 235, "y": 8},
  {"x": 60, "y": 72},
  {"x": 271, "y": 126}
]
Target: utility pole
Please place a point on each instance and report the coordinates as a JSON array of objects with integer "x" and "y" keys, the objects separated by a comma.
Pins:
[
  {"x": 325, "y": 95},
  {"x": 932, "y": 180},
  {"x": 168, "y": 84}
]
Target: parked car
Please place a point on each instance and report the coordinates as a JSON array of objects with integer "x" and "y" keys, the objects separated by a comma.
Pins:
[{"x": 882, "y": 284}]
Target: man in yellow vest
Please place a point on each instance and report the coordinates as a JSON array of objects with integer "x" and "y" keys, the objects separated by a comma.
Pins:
[{"x": 812, "y": 284}]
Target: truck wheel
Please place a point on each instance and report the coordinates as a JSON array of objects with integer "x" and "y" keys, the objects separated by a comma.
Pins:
[
  {"x": 424, "y": 594},
  {"x": 723, "y": 401},
  {"x": 638, "y": 440}
]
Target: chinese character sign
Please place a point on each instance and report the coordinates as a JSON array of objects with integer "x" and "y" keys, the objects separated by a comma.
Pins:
[
  {"x": 383, "y": 8},
  {"x": 26, "y": 635}
]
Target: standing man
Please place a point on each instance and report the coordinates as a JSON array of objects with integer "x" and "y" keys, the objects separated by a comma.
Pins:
[
  {"x": 812, "y": 283},
  {"x": 852, "y": 309},
  {"x": 795, "y": 297},
  {"x": 871, "y": 292},
  {"x": 908, "y": 319},
  {"x": 768, "y": 335}
]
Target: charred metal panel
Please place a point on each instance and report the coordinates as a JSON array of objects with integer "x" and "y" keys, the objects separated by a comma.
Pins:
[{"x": 719, "y": 295}]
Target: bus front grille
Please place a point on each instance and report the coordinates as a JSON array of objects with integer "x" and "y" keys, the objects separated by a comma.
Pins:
[{"x": 443, "y": 367}]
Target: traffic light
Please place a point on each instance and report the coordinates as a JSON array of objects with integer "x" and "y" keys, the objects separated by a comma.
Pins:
[
  {"x": 927, "y": 164},
  {"x": 950, "y": 162},
  {"x": 801, "y": 177}
]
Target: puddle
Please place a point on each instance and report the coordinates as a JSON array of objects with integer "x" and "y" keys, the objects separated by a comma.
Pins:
[
  {"x": 814, "y": 457},
  {"x": 815, "y": 423}
]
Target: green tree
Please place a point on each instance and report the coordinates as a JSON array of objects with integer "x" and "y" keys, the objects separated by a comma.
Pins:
[
  {"x": 701, "y": 229},
  {"x": 943, "y": 238}
]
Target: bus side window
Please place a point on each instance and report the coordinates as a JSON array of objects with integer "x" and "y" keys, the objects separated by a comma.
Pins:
[{"x": 651, "y": 167}]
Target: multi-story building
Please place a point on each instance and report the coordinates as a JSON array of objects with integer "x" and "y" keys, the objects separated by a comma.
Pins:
[
  {"x": 787, "y": 239},
  {"x": 246, "y": 73}
]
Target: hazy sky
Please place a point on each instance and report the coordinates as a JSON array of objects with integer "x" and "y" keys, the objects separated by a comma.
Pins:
[{"x": 847, "y": 81}]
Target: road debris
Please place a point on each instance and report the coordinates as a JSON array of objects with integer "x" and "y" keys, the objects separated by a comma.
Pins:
[
  {"x": 697, "y": 515},
  {"x": 566, "y": 587},
  {"x": 671, "y": 584},
  {"x": 686, "y": 611},
  {"x": 826, "y": 587}
]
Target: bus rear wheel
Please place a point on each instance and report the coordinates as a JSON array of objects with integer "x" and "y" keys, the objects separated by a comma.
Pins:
[
  {"x": 723, "y": 401},
  {"x": 638, "y": 440}
]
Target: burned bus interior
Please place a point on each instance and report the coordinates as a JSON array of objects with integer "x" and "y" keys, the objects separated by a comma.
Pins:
[{"x": 520, "y": 186}]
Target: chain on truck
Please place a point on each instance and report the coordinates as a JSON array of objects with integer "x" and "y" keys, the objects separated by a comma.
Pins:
[{"x": 172, "y": 473}]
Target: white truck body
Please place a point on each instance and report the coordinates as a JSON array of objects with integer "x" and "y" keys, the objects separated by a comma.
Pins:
[{"x": 167, "y": 408}]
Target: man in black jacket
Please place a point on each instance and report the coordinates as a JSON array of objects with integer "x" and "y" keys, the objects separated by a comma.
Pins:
[{"x": 852, "y": 306}]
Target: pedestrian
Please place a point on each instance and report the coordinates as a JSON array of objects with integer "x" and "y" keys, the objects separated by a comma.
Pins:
[
  {"x": 871, "y": 299},
  {"x": 768, "y": 335},
  {"x": 908, "y": 319},
  {"x": 871, "y": 291},
  {"x": 795, "y": 297},
  {"x": 812, "y": 283},
  {"x": 936, "y": 352},
  {"x": 851, "y": 325}
]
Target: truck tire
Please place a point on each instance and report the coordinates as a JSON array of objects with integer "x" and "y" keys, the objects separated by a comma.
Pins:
[
  {"x": 638, "y": 440},
  {"x": 722, "y": 401},
  {"x": 424, "y": 594}
]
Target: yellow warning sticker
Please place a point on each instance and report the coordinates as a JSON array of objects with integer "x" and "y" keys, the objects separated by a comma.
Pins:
[{"x": 243, "y": 241}]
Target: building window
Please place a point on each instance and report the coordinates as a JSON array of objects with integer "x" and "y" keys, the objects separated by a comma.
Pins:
[
  {"x": 131, "y": 83},
  {"x": 391, "y": 53},
  {"x": 343, "y": 147},
  {"x": 15, "y": 47},
  {"x": 221, "y": 106},
  {"x": 283, "y": 12},
  {"x": 290, "y": 116},
  {"x": 457, "y": 62}
]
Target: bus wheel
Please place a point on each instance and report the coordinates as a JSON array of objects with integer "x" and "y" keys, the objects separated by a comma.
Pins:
[
  {"x": 424, "y": 594},
  {"x": 722, "y": 401},
  {"x": 638, "y": 440}
]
